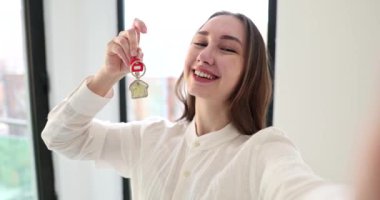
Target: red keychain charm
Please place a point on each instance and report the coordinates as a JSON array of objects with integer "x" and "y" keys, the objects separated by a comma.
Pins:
[
  {"x": 138, "y": 88},
  {"x": 136, "y": 65}
]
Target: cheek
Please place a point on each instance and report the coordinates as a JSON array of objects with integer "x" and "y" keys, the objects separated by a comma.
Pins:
[
  {"x": 240, "y": 69},
  {"x": 235, "y": 75},
  {"x": 237, "y": 68}
]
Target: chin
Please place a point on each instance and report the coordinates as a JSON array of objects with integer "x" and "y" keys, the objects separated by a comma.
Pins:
[{"x": 197, "y": 93}]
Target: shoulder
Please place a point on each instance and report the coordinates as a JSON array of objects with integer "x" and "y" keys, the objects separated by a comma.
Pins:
[
  {"x": 157, "y": 132},
  {"x": 159, "y": 124},
  {"x": 269, "y": 135},
  {"x": 272, "y": 143},
  {"x": 157, "y": 121}
]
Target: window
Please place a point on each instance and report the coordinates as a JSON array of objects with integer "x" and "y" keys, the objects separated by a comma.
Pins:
[
  {"x": 26, "y": 165},
  {"x": 17, "y": 174}
]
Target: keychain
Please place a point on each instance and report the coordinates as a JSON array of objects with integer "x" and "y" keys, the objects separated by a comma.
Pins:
[{"x": 138, "y": 88}]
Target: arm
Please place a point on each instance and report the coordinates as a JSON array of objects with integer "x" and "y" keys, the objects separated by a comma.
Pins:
[
  {"x": 284, "y": 175},
  {"x": 367, "y": 168},
  {"x": 71, "y": 129}
]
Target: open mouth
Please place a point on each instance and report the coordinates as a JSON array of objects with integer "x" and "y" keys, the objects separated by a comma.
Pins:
[{"x": 204, "y": 75}]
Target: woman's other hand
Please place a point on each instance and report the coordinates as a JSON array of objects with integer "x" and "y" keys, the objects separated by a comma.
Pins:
[{"x": 368, "y": 160}]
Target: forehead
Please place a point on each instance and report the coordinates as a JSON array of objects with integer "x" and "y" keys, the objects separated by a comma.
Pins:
[{"x": 225, "y": 25}]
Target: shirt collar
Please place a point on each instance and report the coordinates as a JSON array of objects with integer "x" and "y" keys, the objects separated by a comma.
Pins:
[{"x": 212, "y": 139}]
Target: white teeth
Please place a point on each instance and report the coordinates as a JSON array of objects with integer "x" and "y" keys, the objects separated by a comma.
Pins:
[{"x": 204, "y": 75}]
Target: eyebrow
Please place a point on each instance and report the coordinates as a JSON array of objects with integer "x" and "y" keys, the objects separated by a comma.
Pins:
[{"x": 224, "y": 37}]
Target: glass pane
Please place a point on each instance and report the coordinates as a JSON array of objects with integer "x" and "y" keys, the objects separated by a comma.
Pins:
[
  {"x": 171, "y": 25},
  {"x": 17, "y": 178}
]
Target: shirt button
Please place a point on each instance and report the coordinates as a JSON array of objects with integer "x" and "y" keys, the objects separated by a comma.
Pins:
[
  {"x": 196, "y": 144},
  {"x": 186, "y": 174}
]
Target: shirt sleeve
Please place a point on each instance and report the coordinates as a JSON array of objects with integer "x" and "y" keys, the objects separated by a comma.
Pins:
[
  {"x": 72, "y": 131},
  {"x": 284, "y": 175}
]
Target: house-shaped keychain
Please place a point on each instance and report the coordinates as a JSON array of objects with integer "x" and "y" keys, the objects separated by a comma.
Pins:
[{"x": 139, "y": 89}]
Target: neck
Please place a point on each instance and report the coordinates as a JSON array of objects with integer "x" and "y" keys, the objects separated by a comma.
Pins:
[{"x": 210, "y": 116}]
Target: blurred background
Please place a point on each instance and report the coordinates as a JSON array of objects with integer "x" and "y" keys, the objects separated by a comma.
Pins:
[
  {"x": 326, "y": 67},
  {"x": 17, "y": 172}
]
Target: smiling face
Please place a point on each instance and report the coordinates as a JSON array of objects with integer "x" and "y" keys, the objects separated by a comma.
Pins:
[{"x": 215, "y": 59}]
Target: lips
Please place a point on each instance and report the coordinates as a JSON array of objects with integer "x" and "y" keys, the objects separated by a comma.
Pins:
[{"x": 204, "y": 74}]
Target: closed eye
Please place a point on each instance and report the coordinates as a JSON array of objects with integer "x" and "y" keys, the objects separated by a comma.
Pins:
[
  {"x": 200, "y": 44},
  {"x": 228, "y": 50}
]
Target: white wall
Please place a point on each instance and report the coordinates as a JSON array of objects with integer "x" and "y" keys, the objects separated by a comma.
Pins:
[
  {"x": 76, "y": 36},
  {"x": 326, "y": 56}
]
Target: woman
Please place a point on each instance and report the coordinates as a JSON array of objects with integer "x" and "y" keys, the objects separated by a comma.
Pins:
[{"x": 220, "y": 149}]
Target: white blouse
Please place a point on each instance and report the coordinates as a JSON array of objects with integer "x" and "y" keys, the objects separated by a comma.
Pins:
[{"x": 166, "y": 160}]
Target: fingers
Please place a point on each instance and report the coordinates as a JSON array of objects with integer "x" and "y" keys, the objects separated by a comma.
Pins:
[
  {"x": 126, "y": 44},
  {"x": 132, "y": 36},
  {"x": 119, "y": 46},
  {"x": 140, "y": 54},
  {"x": 122, "y": 46},
  {"x": 115, "y": 47},
  {"x": 139, "y": 26}
]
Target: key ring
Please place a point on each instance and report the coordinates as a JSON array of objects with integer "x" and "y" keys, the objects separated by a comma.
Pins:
[
  {"x": 138, "y": 88},
  {"x": 137, "y": 67}
]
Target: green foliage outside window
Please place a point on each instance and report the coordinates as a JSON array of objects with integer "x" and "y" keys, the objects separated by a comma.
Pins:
[{"x": 15, "y": 165}]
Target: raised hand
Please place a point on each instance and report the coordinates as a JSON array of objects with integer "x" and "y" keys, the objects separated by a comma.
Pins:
[
  {"x": 118, "y": 54},
  {"x": 121, "y": 48}
]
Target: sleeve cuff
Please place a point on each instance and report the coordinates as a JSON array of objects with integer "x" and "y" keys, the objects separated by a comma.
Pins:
[{"x": 86, "y": 102}]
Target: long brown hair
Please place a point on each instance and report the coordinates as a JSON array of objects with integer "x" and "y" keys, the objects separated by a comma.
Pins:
[{"x": 250, "y": 99}]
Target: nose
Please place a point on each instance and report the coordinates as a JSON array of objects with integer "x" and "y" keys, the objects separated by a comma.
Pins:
[{"x": 206, "y": 55}]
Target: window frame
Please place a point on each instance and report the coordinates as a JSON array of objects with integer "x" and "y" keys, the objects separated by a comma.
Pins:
[
  {"x": 38, "y": 93},
  {"x": 271, "y": 45}
]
